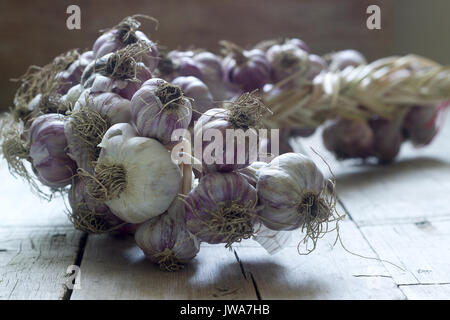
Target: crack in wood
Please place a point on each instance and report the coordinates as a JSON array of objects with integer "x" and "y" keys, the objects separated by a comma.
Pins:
[{"x": 78, "y": 258}]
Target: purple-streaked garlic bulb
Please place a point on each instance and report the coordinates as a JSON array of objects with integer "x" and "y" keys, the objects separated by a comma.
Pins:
[
  {"x": 48, "y": 151},
  {"x": 126, "y": 64},
  {"x": 221, "y": 208},
  {"x": 178, "y": 63},
  {"x": 229, "y": 135},
  {"x": 165, "y": 239},
  {"x": 158, "y": 108},
  {"x": 349, "y": 138},
  {"x": 291, "y": 194},
  {"x": 87, "y": 214},
  {"x": 387, "y": 139},
  {"x": 134, "y": 176},
  {"x": 251, "y": 172},
  {"x": 211, "y": 68},
  {"x": 419, "y": 125},
  {"x": 286, "y": 60},
  {"x": 342, "y": 59},
  {"x": 122, "y": 35},
  {"x": 72, "y": 75},
  {"x": 125, "y": 88},
  {"x": 265, "y": 45},
  {"x": 195, "y": 89},
  {"x": 247, "y": 69}
]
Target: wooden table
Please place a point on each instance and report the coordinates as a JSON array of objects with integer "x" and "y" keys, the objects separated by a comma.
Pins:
[{"x": 398, "y": 213}]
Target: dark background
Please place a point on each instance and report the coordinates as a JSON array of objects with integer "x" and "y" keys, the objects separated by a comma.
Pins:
[{"x": 33, "y": 32}]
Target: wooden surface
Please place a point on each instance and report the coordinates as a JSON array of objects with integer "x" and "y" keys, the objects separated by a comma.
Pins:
[{"x": 398, "y": 213}]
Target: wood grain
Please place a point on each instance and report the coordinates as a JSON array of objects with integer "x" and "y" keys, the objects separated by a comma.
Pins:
[
  {"x": 114, "y": 268},
  {"x": 330, "y": 272},
  {"x": 34, "y": 261}
]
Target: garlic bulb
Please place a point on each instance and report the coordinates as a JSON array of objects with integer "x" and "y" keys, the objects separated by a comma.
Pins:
[
  {"x": 123, "y": 34},
  {"x": 419, "y": 125},
  {"x": 221, "y": 208},
  {"x": 134, "y": 176},
  {"x": 286, "y": 60},
  {"x": 212, "y": 74},
  {"x": 235, "y": 128},
  {"x": 249, "y": 70},
  {"x": 349, "y": 138},
  {"x": 165, "y": 239},
  {"x": 48, "y": 151},
  {"x": 177, "y": 64},
  {"x": 316, "y": 66},
  {"x": 125, "y": 88},
  {"x": 387, "y": 139},
  {"x": 158, "y": 108},
  {"x": 251, "y": 172},
  {"x": 290, "y": 192},
  {"x": 195, "y": 89},
  {"x": 72, "y": 75},
  {"x": 72, "y": 96},
  {"x": 112, "y": 107}
]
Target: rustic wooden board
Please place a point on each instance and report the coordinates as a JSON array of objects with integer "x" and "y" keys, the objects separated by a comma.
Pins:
[
  {"x": 34, "y": 261},
  {"x": 429, "y": 292},
  {"x": 420, "y": 248},
  {"x": 114, "y": 268},
  {"x": 327, "y": 273},
  {"x": 37, "y": 243}
]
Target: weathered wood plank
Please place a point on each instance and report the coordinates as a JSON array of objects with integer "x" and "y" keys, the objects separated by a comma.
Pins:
[
  {"x": 427, "y": 292},
  {"x": 420, "y": 248},
  {"x": 327, "y": 273},
  {"x": 114, "y": 268},
  {"x": 37, "y": 242},
  {"x": 34, "y": 261}
]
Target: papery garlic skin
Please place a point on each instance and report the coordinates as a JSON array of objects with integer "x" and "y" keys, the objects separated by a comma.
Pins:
[
  {"x": 73, "y": 94},
  {"x": 85, "y": 210},
  {"x": 109, "y": 105},
  {"x": 220, "y": 119},
  {"x": 72, "y": 75},
  {"x": 195, "y": 89},
  {"x": 111, "y": 42},
  {"x": 158, "y": 108},
  {"x": 214, "y": 192},
  {"x": 283, "y": 185},
  {"x": 165, "y": 239},
  {"x": 287, "y": 59},
  {"x": 152, "y": 178},
  {"x": 251, "y": 173},
  {"x": 249, "y": 70},
  {"x": 48, "y": 151},
  {"x": 125, "y": 88}
]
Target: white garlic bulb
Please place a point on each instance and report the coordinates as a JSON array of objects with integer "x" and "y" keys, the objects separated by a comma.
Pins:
[
  {"x": 290, "y": 192},
  {"x": 135, "y": 176}
]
